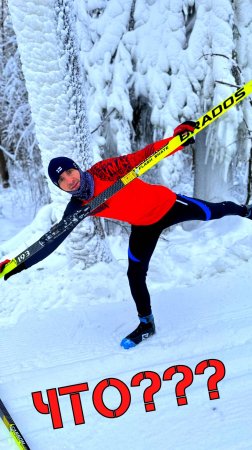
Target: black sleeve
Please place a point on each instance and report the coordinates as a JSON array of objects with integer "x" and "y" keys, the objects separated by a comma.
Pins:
[{"x": 72, "y": 206}]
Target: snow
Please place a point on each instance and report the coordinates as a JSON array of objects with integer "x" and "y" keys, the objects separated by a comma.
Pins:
[{"x": 62, "y": 326}]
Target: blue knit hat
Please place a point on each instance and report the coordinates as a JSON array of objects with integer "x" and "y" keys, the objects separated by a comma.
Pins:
[{"x": 59, "y": 165}]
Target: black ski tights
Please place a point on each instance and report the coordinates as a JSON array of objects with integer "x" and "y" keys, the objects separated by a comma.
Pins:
[{"x": 143, "y": 240}]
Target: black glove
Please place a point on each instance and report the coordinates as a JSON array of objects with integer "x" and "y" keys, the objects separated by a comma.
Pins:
[
  {"x": 183, "y": 129},
  {"x": 17, "y": 269}
]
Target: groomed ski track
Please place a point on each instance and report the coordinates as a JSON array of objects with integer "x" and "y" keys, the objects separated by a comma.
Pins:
[
  {"x": 62, "y": 326},
  {"x": 64, "y": 346}
]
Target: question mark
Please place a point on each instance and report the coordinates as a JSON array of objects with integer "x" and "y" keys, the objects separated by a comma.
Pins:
[
  {"x": 150, "y": 390},
  {"x": 181, "y": 385},
  {"x": 215, "y": 378}
]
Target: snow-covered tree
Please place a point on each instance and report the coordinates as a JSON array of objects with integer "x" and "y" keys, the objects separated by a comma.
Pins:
[
  {"x": 154, "y": 64},
  {"x": 4, "y": 175},
  {"x": 18, "y": 142},
  {"x": 243, "y": 37},
  {"x": 55, "y": 82},
  {"x": 219, "y": 149}
]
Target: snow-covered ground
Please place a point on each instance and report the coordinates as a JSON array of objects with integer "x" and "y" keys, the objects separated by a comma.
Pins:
[{"x": 61, "y": 326}]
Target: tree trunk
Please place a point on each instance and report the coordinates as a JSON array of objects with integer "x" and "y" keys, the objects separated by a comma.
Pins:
[
  {"x": 3, "y": 171},
  {"x": 45, "y": 32}
]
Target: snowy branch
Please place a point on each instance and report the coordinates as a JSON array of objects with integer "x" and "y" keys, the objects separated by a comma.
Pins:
[
  {"x": 7, "y": 153},
  {"x": 103, "y": 121},
  {"x": 227, "y": 84}
]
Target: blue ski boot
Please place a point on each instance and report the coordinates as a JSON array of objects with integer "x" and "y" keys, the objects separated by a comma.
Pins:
[{"x": 145, "y": 329}]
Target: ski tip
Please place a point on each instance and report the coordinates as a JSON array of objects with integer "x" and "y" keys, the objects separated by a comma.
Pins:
[
  {"x": 9, "y": 267},
  {"x": 127, "y": 343}
]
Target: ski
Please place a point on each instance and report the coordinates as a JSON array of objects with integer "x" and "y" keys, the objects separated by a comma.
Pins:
[
  {"x": 74, "y": 219},
  {"x": 12, "y": 427}
]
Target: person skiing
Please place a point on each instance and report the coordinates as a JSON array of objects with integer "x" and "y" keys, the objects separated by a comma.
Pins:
[{"x": 148, "y": 208}]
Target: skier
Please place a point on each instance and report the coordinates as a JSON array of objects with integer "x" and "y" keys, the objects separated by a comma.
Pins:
[{"x": 148, "y": 208}]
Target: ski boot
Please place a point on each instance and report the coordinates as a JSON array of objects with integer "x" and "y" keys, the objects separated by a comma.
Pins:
[{"x": 145, "y": 329}]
